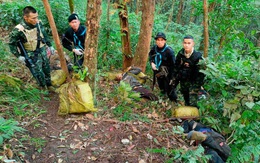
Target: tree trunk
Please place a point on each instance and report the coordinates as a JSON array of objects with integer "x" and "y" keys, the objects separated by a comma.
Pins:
[
  {"x": 192, "y": 17},
  {"x": 143, "y": 46},
  {"x": 137, "y": 7},
  {"x": 91, "y": 42},
  {"x": 125, "y": 36},
  {"x": 178, "y": 20},
  {"x": 170, "y": 16},
  {"x": 107, "y": 30},
  {"x": 160, "y": 4},
  {"x": 71, "y": 4},
  {"x": 56, "y": 38},
  {"x": 206, "y": 30}
]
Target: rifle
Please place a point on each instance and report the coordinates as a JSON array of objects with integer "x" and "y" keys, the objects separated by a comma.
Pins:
[
  {"x": 154, "y": 81},
  {"x": 28, "y": 60}
]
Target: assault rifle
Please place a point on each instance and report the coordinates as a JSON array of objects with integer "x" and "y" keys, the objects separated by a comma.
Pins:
[{"x": 28, "y": 60}]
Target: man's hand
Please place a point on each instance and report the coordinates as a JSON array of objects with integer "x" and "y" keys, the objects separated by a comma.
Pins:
[
  {"x": 21, "y": 59},
  {"x": 52, "y": 50},
  {"x": 78, "y": 51},
  {"x": 154, "y": 66}
]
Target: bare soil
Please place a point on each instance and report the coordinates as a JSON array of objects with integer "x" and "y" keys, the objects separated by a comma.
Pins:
[{"x": 84, "y": 138}]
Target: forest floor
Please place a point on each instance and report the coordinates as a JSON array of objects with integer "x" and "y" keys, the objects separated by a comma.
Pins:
[{"x": 83, "y": 138}]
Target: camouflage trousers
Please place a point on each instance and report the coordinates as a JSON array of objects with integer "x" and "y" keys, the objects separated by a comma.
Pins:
[
  {"x": 190, "y": 92},
  {"x": 41, "y": 70}
]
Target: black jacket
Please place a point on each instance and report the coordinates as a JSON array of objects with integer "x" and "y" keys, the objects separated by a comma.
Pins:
[
  {"x": 167, "y": 57},
  {"x": 76, "y": 39},
  {"x": 191, "y": 73}
]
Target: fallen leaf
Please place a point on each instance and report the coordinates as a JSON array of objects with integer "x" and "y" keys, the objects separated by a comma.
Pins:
[
  {"x": 135, "y": 129},
  {"x": 89, "y": 116},
  {"x": 9, "y": 153},
  {"x": 130, "y": 147},
  {"x": 75, "y": 127},
  {"x": 141, "y": 161}
]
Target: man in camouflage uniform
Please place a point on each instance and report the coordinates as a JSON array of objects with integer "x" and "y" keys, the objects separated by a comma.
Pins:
[
  {"x": 30, "y": 35},
  {"x": 187, "y": 71}
]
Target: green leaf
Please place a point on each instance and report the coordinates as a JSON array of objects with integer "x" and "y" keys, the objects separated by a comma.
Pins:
[
  {"x": 250, "y": 105},
  {"x": 235, "y": 116}
]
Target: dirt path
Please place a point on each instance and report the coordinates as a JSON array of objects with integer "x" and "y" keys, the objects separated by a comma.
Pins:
[{"x": 82, "y": 138}]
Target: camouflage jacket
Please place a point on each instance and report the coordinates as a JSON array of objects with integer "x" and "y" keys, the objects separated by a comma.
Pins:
[{"x": 17, "y": 35}]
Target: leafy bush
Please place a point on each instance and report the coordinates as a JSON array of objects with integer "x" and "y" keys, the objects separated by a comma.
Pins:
[
  {"x": 8, "y": 128},
  {"x": 181, "y": 155}
]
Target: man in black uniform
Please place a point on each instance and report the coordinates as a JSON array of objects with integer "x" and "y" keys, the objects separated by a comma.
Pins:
[
  {"x": 187, "y": 71},
  {"x": 162, "y": 60},
  {"x": 74, "y": 39}
]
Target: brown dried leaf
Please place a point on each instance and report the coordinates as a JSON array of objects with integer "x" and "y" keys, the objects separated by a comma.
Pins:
[
  {"x": 135, "y": 130},
  {"x": 89, "y": 116}
]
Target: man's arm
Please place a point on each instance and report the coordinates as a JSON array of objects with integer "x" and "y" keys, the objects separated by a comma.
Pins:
[
  {"x": 66, "y": 40},
  {"x": 14, "y": 37}
]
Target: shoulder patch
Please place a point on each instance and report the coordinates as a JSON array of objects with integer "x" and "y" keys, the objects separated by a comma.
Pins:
[{"x": 20, "y": 27}]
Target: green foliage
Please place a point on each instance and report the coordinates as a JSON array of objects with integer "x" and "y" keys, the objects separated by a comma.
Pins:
[
  {"x": 233, "y": 107},
  {"x": 175, "y": 155},
  {"x": 39, "y": 143},
  {"x": 82, "y": 73},
  {"x": 11, "y": 14},
  {"x": 126, "y": 99},
  {"x": 125, "y": 93},
  {"x": 8, "y": 128}
]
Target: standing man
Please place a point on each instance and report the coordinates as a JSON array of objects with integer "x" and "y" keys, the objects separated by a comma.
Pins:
[
  {"x": 28, "y": 42},
  {"x": 74, "y": 39},
  {"x": 162, "y": 61},
  {"x": 187, "y": 71}
]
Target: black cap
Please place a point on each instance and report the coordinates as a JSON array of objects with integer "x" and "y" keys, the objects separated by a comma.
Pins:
[
  {"x": 73, "y": 17},
  {"x": 160, "y": 35}
]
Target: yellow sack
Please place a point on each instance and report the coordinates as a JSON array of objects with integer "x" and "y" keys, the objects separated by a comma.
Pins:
[
  {"x": 142, "y": 77},
  {"x": 58, "y": 77},
  {"x": 185, "y": 111},
  {"x": 75, "y": 97}
]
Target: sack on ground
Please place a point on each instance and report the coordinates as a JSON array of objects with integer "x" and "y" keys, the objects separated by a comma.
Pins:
[
  {"x": 58, "y": 77},
  {"x": 185, "y": 111},
  {"x": 75, "y": 97}
]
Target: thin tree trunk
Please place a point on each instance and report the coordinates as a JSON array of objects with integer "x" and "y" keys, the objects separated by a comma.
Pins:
[
  {"x": 91, "y": 42},
  {"x": 160, "y": 4},
  {"x": 56, "y": 38},
  {"x": 143, "y": 46},
  {"x": 170, "y": 16},
  {"x": 107, "y": 31},
  {"x": 137, "y": 7},
  {"x": 192, "y": 17},
  {"x": 206, "y": 30},
  {"x": 71, "y": 4},
  {"x": 178, "y": 20},
  {"x": 125, "y": 36}
]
